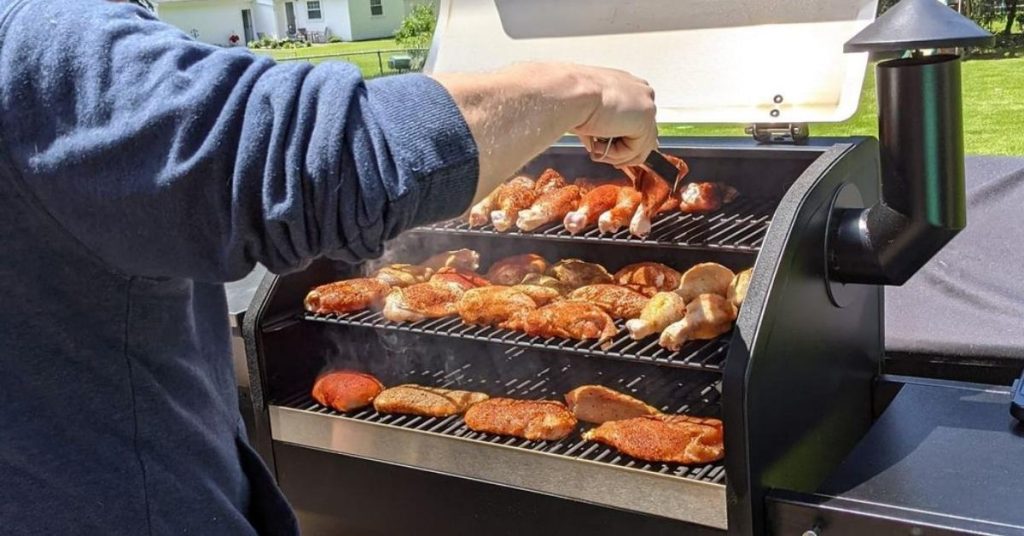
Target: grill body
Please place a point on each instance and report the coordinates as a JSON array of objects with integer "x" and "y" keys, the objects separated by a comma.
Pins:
[{"x": 792, "y": 381}]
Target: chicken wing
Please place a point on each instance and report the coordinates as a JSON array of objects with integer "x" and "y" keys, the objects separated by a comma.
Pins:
[
  {"x": 617, "y": 301},
  {"x": 550, "y": 207},
  {"x": 663, "y": 309},
  {"x": 463, "y": 259},
  {"x": 536, "y": 420},
  {"x": 648, "y": 278},
  {"x": 704, "y": 197},
  {"x": 347, "y": 296},
  {"x": 738, "y": 288},
  {"x": 705, "y": 278},
  {"x": 662, "y": 438},
  {"x": 427, "y": 401},
  {"x": 625, "y": 206},
  {"x": 575, "y": 273},
  {"x": 422, "y": 301},
  {"x": 512, "y": 270},
  {"x": 480, "y": 214},
  {"x": 549, "y": 181},
  {"x": 707, "y": 317},
  {"x": 493, "y": 305},
  {"x": 402, "y": 275},
  {"x": 512, "y": 199},
  {"x": 567, "y": 320},
  {"x": 598, "y": 404},
  {"x": 345, "y": 390},
  {"x": 461, "y": 280},
  {"x": 597, "y": 201}
]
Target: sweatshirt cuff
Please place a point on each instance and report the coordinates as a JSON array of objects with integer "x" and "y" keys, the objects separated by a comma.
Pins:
[{"x": 428, "y": 135}]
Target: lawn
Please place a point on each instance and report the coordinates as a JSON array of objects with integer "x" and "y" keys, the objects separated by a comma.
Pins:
[
  {"x": 363, "y": 54},
  {"x": 993, "y": 111}
]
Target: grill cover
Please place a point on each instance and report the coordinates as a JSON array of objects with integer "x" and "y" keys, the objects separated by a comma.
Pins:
[{"x": 719, "y": 61}]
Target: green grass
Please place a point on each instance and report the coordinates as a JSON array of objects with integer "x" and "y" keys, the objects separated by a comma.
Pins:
[
  {"x": 993, "y": 111},
  {"x": 362, "y": 53}
]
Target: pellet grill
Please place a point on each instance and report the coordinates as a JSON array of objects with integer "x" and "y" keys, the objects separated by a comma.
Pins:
[{"x": 826, "y": 223}]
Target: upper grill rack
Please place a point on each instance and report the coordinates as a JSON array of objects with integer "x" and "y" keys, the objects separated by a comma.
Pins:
[
  {"x": 739, "y": 226},
  {"x": 703, "y": 355},
  {"x": 690, "y": 394}
]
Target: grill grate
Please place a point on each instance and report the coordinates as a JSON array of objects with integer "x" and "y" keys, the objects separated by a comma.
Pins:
[
  {"x": 688, "y": 393},
  {"x": 739, "y": 226},
  {"x": 703, "y": 355}
]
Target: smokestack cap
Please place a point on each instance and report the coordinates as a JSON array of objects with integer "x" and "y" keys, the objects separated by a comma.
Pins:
[{"x": 917, "y": 24}]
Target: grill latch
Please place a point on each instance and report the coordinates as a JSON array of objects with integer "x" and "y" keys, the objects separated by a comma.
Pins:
[{"x": 794, "y": 133}]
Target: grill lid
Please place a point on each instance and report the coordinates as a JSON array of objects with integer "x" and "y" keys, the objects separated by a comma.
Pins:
[{"x": 709, "y": 61}]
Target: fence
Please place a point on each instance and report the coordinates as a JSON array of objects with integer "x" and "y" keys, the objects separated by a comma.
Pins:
[{"x": 373, "y": 63}]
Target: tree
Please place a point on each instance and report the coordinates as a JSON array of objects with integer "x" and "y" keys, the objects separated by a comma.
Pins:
[
  {"x": 1011, "y": 14},
  {"x": 417, "y": 29}
]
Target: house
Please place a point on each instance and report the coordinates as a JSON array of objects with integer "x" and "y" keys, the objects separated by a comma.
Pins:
[{"x": 215, "y": 21}]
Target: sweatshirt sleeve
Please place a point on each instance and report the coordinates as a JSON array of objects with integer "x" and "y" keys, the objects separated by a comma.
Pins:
[{"x": 165, "y": 157}]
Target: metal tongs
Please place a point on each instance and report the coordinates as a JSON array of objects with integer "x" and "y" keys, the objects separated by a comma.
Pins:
[{"x": 655, "y": 161}]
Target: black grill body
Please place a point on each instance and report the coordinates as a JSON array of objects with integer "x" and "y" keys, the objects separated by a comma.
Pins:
[{"x": 792, "y": 381}]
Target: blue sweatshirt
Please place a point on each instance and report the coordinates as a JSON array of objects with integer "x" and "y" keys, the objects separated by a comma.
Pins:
[{"x": 139, "y": 170}]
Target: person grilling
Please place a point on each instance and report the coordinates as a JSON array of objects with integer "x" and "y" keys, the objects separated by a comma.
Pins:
[{"x": 140, "y": 170}]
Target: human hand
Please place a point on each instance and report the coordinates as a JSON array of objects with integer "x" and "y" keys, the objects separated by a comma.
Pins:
[{"x": 621, "y": 129}]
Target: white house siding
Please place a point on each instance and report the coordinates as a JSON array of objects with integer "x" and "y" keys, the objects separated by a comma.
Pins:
[
  {"x": 334, "y": 18},
  {"x": 366, "y": 26},
  {"x": 213, "y": 21},
  {"x": 265, "y": 19}
]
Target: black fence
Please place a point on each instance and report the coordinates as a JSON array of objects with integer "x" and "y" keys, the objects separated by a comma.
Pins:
[{"x": 373, "y": 64}]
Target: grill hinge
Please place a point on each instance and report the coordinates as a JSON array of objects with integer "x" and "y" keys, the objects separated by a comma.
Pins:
[{"x": 795, "y": 133}]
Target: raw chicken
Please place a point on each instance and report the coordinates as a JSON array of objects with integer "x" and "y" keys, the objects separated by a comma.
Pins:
[
  {"x": 493, "y": 305},
  {"x": 705, "y": 278},
  {"x": 347, "y": 296},
  {"x": 703, "y": 197},
  {"x": 345, "y": 390},
  {"x": 459, "y": 279},
  {"x": 550, "y": 207},
  {"x": 663, "y": 438},
  {"x": 540, "y": 295},
  {"x": 427, "y": 401},
  {"x": 598, "y": 404},
  {"x": 547, "y": 281},
  {"x": 464, "y": 259},
  {"x": 648, "y": 278},
  {"x": 617, "y": 301},
  {"x": 738, "y": 288},
  {"x": 567, "y": 320},
  {"x": 618, "y": 217},
  {"x": 536, "y": 420},
  {"x": 655, "y": 191},
  {"x": 549, "y": 181},
  {"x": 512, "y": 199},
  {"x": 597, "y": 201},
  {"x": 480, "y": 214},
  {"x": 422, "y": 301},
  {"x": 402, "y": 275},
  {"x": 707, "y": 317},
  {"x": 512, "y": 270},
  {"x": 663, "y": 309},
  {"x": 575, "y": 273}
]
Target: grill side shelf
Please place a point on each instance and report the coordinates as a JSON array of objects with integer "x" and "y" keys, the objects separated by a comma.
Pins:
[
  {"x": 701, "y": 355},
  {"x": 739, "y": 227}
]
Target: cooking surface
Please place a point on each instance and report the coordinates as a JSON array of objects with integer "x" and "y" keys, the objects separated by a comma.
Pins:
[{"x": 942, "y": 449}]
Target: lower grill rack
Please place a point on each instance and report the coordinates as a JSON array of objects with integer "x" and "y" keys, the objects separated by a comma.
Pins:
[{"x": 702, "y": 355}]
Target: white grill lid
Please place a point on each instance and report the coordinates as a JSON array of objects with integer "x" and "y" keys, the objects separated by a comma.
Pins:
[{"x": 709, "y": 61}]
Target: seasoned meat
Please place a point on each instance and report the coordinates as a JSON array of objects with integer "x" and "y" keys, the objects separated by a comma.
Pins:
[
  {"x": 617, "y": 301},
  {"x": 402, "y": 275},
  {"x": 480, "y": 214},
  {"x": 512, "y": 199},
  {"x": 540, "y": 295},
  {"x": 705, "y": 278},
  {"x": 738, "y": 288},
  {"x": 576, "y": 273},
  {"x": 493, "y": 305},
  {"x": 427, "y": 401},
  {"x": 540, "y": 280},
  {"x": 536, "y": 420},
  {"x": 663, "y": 309},
  {"x": 550, "y": 207},
  {"x": 704, "y": 197},
  {"x": 648, "y": 278},
  {"x": 655, "y": 191},
  {"x": 346, "y": 390},
  {"x": 347, "y": 296},
  {"x": 597, "y": 201},
  {"x": 422, "y": 301},
  {"x": 625, "y": 206},
  {"x": 598, "y": 404},
  {"x": 512, "y": 270},
  {"x": 707, "y": 317},
  {"x": 461, "y": 279},
  {"x": 663, "y": 438},
  {"x": 462, "y": 259},
  {"x": 567, "y": 320},
  {"x": 549, "y": 181}
]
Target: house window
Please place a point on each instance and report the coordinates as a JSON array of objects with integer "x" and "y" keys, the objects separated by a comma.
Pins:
[
  {"x": 376, "y": 8},
  {"x": 313, "y": 11}
]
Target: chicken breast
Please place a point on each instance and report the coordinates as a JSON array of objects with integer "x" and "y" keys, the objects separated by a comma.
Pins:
[
  {"x": 462, "y": 259},
  {"x": 539, "y": 294},
  {"x": 493, "y": 305},
  {"x": 598, "y": 404},
  {"x": 705, "y": 278},
  {"x": 648, "y": 278},
  {"x": 413, "y": 399},
  {"x": 346, "y": 390},
  {"x": 575, "y": 273},
  {"x": 422, "y": 301},
  {"x": 461, "y": 279},
  {"x": 568, "y": 320},
  {"x": 536, "y": 420},
  {"x": 663, "y": 438},
  {"x": 618, "y": 301},
  {"x": 511, "y": 270},
  {"x": 402, "y": 275},
  {"x": 347, "y": 296},
  {"x": 738, "y": 288},
  {"x": 547, "y": 281}
]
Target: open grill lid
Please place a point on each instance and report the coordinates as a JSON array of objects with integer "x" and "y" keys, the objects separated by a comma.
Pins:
[{"x": 709, "y": 61}]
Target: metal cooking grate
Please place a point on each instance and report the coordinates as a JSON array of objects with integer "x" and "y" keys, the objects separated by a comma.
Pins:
[
  {"x": 738, "y": 226},
  {"x": 688, "y": 393},
  {"x": 704, "y": 355}
]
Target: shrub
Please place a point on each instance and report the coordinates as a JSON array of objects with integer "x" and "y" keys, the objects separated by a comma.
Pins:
[{"x": 417, "y": 29}]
